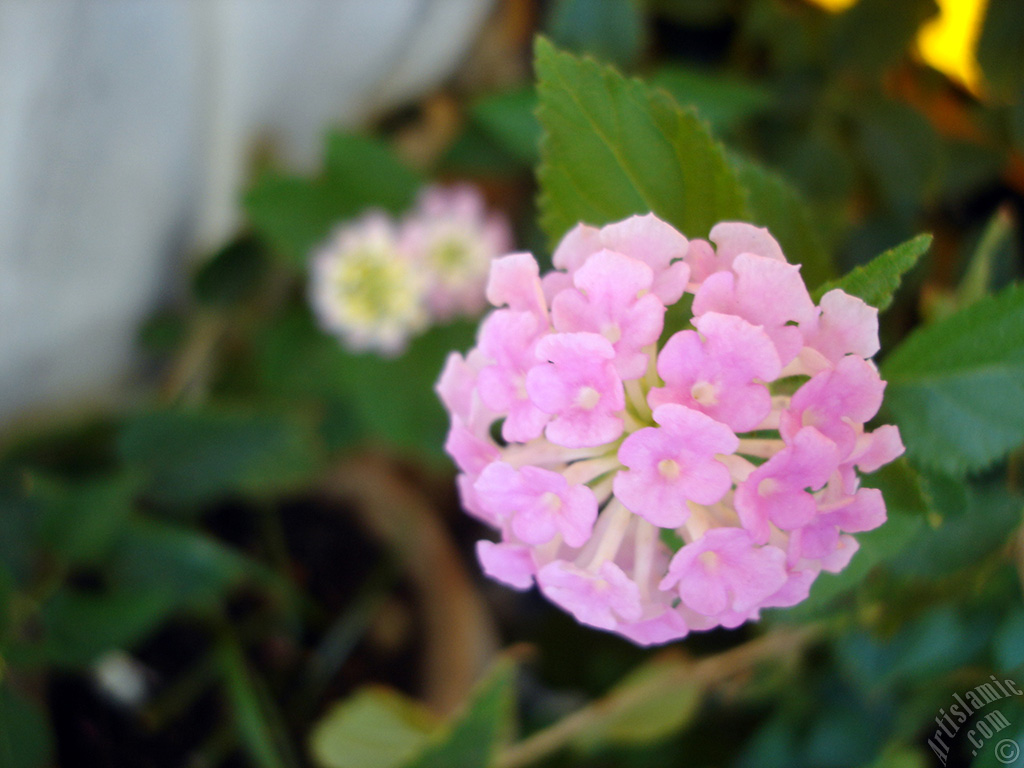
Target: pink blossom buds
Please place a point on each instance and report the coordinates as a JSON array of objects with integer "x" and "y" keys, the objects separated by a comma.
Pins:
[
  {"x": 377, "y": 283},
  {"x": 651, "y": 488}
]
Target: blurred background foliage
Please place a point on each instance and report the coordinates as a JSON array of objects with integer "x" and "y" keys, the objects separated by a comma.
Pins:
[{"x": 264, "y": 563}]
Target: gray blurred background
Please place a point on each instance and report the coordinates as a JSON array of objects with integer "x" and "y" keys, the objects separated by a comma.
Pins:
[{"x": 126, "y": 131}]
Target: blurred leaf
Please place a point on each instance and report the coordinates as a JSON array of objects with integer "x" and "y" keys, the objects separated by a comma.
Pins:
[
  {"x": 724, "y": 101},
  {"x": 374, "y": 728},
  {"x": 695, "y": 12},
  {"x": 390, "y": 399},
  {"x": 154, "y": 570},
  {"x": 614, "y": 147},
  {"x": 906, "y": 506},
  {"x": 21, "y": 519},
  {"x": 472, "y": 739},
  {"x": 964, "y": 536},
  {"x": 642, "y": 708},
  {"x": 80, "y": 626},
  {"x": 162, "y": 332},
  {"x": 902, "y": 757},
  {"x": 1009, "y": 642},
  {"x": 296, "y": 214},
  {"x": 509, "y": 118},
  {"x": 902, "y": 488},
  {"x": 901, "y": 150},
  {"x": 877, "y": 281},
  {"x": 231, "y": 274},
  {"x": 774, "y": 203},
  {"x": 1003, "y": 750},
  {"x": 191, "y": 456},
  {"x": 956, "y": 387},
  {"x": 476, "y": 153},
  {"x": 874, "y": 33},
  {"x": 378, "y": 728},
  {"x": 995, "y": 241},
  {"x": 256, "y": 719},
  {"x": 884, "y": 544},
  {"x": 934, "y": 643},
  {"x": 25, "y": 737},
  {"x": 1001, "y": 48},
  {"x": 844, "y": 729},
  {"x": 83, "y": 520},
  {"x": 609, "y": 30}
]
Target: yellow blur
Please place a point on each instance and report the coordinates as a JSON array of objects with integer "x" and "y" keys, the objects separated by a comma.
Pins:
[{"x": 946, "y": 42}]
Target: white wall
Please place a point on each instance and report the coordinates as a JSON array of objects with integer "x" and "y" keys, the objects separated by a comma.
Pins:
[{"x": 125, "y": 128}]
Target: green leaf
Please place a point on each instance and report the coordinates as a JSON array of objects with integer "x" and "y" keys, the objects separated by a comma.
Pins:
[
  {"x": 956, "y": 387},
  {"x": 389, "y": 399},
  {"x": 877, "y": 281},
  {"x": 509, "y": 119},
  {"x": 191, "y": 456},
  {"x": 25, "y": 737},
  {"x": 774, "y": 203},
  {"x": 610, "y": 30},
  {"x": 231, "y": 274},
  {"x": 1008, "y": 647},
  {"x": 154, "y": 570},
  {"x": 378, "y": 728},
  {"x": 885, "y": 543},
  {"x": 650, "y": 704},
  {"x": 614, "y": 147},
  {"x": 374, "y": 728},
  {"x": 83, "y": 520},
  {"x": 722, "y": 100},
  {"x": 297, "y": 214},
  {"x": 964, "y": 532},
  {"x": 256, "y": 719},
  {"x": 1001, "y": 48},
  {"x": 901, "y": 150},
  {"x": 471, "y": 741},
  {"x": 874, "y": 33}
]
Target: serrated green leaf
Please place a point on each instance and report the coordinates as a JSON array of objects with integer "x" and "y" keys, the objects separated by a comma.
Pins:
[
  {"x": 877, "y": 281},
  {"x": 374, "y": 728},
  {"x": 614, "y": 147},
  {"x": 774, "y": 203},
  {"x": 192, "y": 456},
  {"x": 471, "y": 741},
  {"x": 642, "y": 708},
  {"x": 956, "y": 387}
]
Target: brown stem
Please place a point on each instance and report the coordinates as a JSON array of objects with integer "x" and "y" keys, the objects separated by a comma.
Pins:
[{"x": 460, "y": 638}]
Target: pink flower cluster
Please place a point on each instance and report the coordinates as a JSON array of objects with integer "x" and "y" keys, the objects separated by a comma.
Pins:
[
  {"x": 654, "y": 486},
  {"x": 378, "y": 282}
]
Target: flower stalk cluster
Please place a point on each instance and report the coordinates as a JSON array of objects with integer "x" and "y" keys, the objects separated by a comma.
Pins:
[
  {"x": 652, "y": 486},
  {"x": 378, "y": 282}
]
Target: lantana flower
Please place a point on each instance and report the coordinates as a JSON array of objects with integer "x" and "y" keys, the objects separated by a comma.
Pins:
[
  {"x": 648, "y": 483},
  {"x": 379, "y": 282}
]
